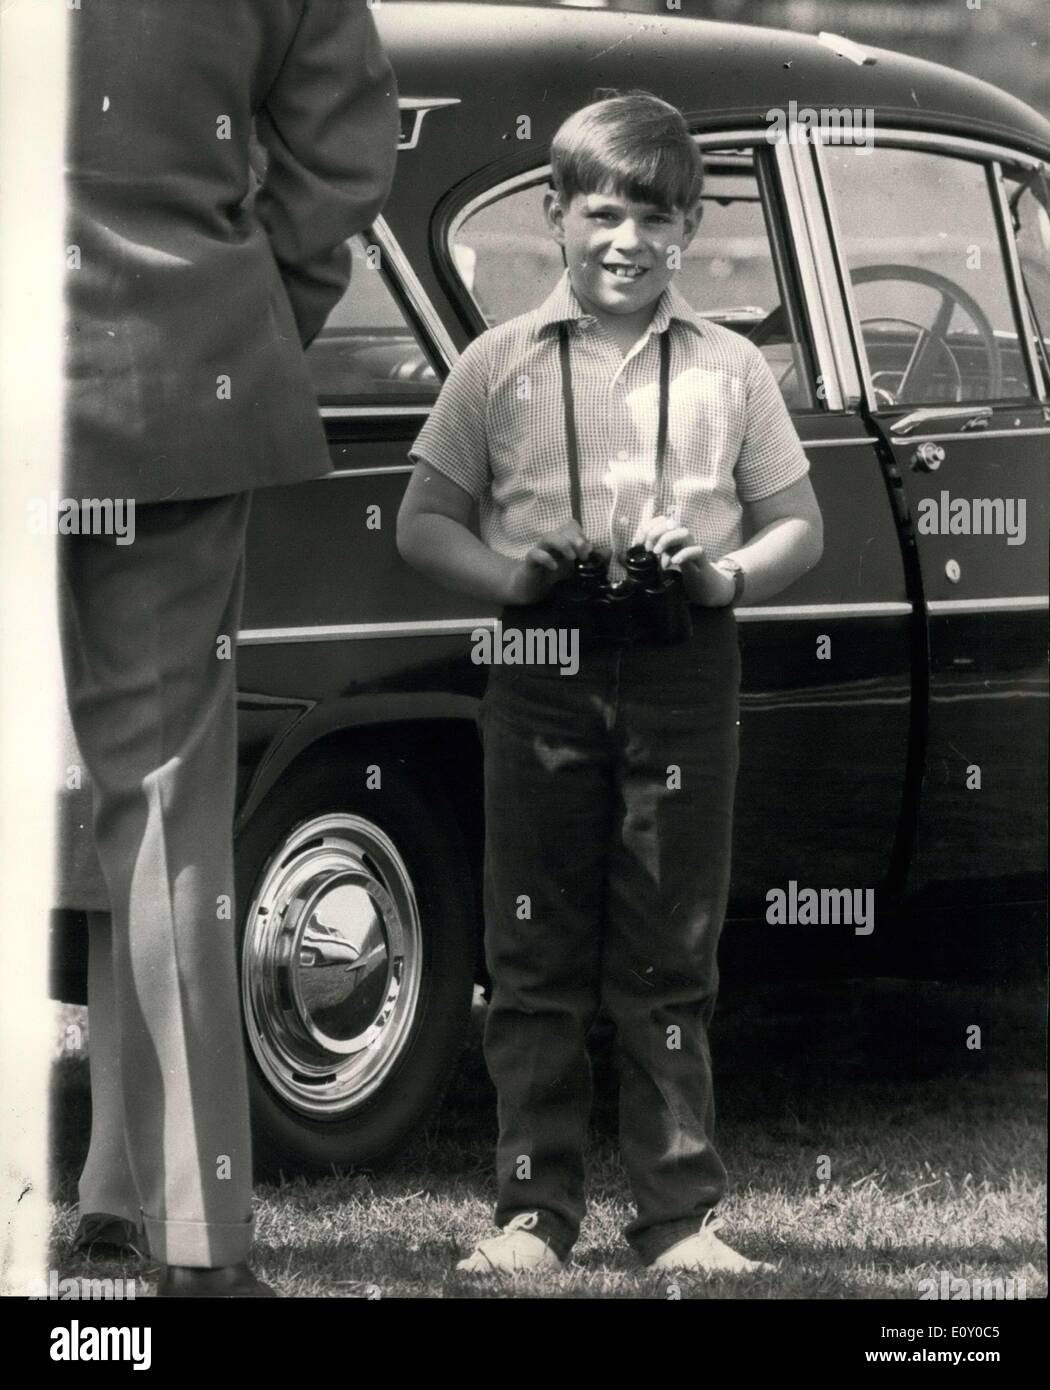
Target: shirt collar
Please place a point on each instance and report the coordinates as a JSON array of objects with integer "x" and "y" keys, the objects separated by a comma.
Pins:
[{"x": 562, "y": 306}]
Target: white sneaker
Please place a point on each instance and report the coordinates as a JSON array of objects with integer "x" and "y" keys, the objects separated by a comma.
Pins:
[
  {"x": 705, "y": 1253},
  {"x": 514, "y": 1251}
]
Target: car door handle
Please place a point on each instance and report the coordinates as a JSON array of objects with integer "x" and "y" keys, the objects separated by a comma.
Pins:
[{"x": 972, "y": 417}]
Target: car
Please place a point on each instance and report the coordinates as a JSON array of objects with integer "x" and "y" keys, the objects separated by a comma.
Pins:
[{"x": 879, "y": 226}]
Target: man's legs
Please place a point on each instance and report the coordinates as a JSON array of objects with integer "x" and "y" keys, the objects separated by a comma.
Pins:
[
  {"x": 547, "y": 796},
  {"x": 149, "y": 642},
  {"x": 107, "y": 1185},
  {"x": 668, "y": 887}
]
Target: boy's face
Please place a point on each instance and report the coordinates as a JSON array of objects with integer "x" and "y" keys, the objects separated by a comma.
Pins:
[{"x": 617, "y": 251}]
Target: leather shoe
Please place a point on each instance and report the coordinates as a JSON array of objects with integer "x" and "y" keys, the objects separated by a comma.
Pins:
[
  {"x": 227, "y": 1281},
  {"x": 109, "y": 1235}
]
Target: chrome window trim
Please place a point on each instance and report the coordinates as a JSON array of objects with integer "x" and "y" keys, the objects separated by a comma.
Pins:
[
  {"x": 751, "y": 136},
  {"x": 411, "y": 286},
  {"x": 801, "y": 150},
  {"x": 845, "y": 284},
  {"x": 397, "y": 266},
  {"x": 954, "y": 144},
  {"x": 541, "y": 172},
  {"x": 482, "y": 200},
  {"x": 986, "y": 153},
  {"x": 798, "y": 217},
  {"x": 1017, "y": 288}
]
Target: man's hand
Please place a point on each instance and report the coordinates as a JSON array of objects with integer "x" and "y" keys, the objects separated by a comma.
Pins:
[
  {"x": 705, "y": 583},
  {"x": 550, "y": 559}
]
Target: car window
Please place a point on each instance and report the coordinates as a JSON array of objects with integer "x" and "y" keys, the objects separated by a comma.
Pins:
[
  {"x": 367, "y": 353},
  {"x": 919, "y": 234},
  {"x": 509, "y": 263}
]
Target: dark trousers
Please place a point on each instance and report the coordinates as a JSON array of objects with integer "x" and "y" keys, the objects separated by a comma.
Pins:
[
  {"x": 608, "y": 804},
  {"x": 152, "y": 693}
]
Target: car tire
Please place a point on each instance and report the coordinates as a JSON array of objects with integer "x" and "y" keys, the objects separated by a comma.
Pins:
[{"x": 345, "y": 1065}]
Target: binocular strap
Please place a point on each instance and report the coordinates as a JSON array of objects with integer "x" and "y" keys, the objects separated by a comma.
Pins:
[{"x": 572, "y": 441}]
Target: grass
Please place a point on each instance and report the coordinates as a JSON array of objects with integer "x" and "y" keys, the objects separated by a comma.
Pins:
[{"x": 936, "y": 1152}]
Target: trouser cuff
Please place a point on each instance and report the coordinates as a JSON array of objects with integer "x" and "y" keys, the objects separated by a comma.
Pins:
[
  {"x": 652, "y": 1243},
  {"x": 198, "y": 1244}
]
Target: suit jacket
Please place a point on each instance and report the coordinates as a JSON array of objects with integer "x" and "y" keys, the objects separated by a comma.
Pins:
[{"x": 196, "y": 286}]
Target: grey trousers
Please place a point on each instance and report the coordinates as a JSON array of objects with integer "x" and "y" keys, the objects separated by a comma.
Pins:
[{"x": 151, "y": 687}]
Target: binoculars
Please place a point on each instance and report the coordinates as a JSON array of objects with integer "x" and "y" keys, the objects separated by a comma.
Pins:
[{"x": 648, "y": 605}]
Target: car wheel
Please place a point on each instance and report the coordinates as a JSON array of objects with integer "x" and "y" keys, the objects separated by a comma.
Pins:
[{"x": 357, "y": 944}]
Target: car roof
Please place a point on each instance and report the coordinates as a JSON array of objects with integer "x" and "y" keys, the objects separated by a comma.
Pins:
[{"x": 502, "y": 61}]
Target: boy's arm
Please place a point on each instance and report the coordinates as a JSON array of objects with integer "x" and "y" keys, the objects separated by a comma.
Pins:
[
  {"x": 774, "y": 488},
  {"x": 434, "y": 536},
  {"x": 788, "y": 540}
]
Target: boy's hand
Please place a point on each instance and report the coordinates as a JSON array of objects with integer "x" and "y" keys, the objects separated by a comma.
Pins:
[
  {"x": 550, "y": 559},
  {"x": 704, "y": 582}
]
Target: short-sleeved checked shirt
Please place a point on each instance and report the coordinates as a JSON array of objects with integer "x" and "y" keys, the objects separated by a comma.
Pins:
[{"x": 498, "y": 428}]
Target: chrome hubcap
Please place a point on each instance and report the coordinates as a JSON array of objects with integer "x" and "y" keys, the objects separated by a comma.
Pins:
[{"x": 331, "y": 964}]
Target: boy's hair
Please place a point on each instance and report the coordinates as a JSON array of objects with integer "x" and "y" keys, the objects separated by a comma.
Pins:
[{"x": 632, "y": 144}]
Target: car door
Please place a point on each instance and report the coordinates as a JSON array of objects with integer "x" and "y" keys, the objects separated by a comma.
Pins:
[
  {"x": 954, "y": 382},
  {"x": 826, "y": 664},
  {"x": 322, "y": 563}
]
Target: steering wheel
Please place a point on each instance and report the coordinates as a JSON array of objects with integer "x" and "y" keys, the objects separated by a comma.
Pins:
[{"x": 928, "y": 340}]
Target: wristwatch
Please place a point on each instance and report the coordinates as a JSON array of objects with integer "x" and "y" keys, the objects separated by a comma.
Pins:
[{"x": 731, "y": 567}]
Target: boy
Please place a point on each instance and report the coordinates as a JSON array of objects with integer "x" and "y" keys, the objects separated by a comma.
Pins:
[{"x": 611, "y": 416}]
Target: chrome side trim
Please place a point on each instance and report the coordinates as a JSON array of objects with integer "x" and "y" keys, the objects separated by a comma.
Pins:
[
  {"x": 1017, "y": 292},
  {"x": 352, "y": 632},
  {"x": 970, "y": 434},
  {"x": 411, "y": 287},
  {"x": 801, "y": 612},
  {"x": 339, "y": 473},
  {"x": 853, "y": 442},
  {"x": 1027, "y": 603},
  {"x": 372, "y": 412},
  {"x": 456, "y": 627}
]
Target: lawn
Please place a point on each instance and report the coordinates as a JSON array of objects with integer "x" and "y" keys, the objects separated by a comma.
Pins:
[{"x": 936, "y": 1154}]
